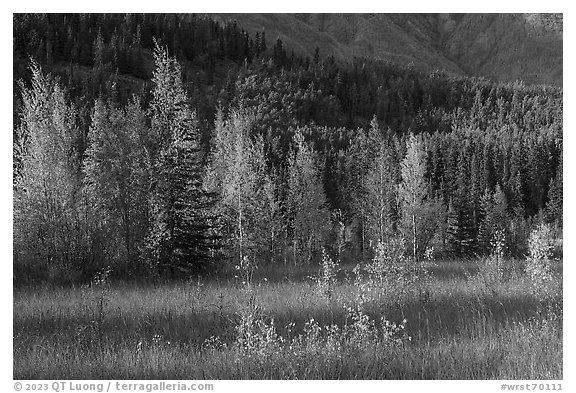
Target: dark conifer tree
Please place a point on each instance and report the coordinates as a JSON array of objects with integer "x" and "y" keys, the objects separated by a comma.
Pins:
[
  {"x": 181, "y": 239},
  {"x": 486, "y": 224},
  {"x": 460, "y": 231},
  {"x": 555, "y": 200}
]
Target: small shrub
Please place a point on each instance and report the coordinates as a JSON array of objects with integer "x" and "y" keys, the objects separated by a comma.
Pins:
[
  {"x": 389, "y": 273},
  {"x": 98, "y": 293},
  {"x": 257, "y": 339},
  {"x": 429, "y": 254},
  {"x": 490, "y": 274},
  {"x": 257, "y": 336},
  {"x": 540, "y": 245},
  {"x": 326, "y": 279},
  {"x": 245, "y": 272},
  {"x": 364, "y": 332},
  {"x": 145, "y": 346},
  {"x": 251, "y": 327},
  {"x": 388, "y": 262}
]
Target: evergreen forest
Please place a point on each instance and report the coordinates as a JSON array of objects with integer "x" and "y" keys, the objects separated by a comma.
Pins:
[{"x": 173, "y": 145}]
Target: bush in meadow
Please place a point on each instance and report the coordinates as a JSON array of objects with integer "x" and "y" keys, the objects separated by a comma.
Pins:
[
  {"x": 326, "y": 280},
  {"x": 389, "y": 273},
  {"x": 490, "y": 274},
  {"x": 540, "y": 245},
  {"x": 259, "y": 342}
]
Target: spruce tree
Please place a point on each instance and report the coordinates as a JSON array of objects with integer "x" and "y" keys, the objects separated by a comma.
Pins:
[
  {"x": 499, "y": 211},
  {"x": 461, "y": 238},
  {"x": 554, "y": 207},
  {"x": 182, "y": 238},
  {"x": 485, "y": 229}
]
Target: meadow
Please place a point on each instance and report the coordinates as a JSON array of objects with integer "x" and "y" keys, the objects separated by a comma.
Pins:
[{"x": 280, "y": 325}]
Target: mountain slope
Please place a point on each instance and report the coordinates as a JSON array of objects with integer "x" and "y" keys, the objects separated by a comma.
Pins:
[
  {"x": 503, "y": 47},
  {"x": 508, "y": 46}
]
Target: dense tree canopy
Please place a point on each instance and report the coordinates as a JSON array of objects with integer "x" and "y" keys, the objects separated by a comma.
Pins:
[{"x": 169, "y": 132}]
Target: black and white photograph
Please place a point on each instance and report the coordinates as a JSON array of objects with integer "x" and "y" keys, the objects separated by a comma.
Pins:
[{"x": 287, "y": 196}]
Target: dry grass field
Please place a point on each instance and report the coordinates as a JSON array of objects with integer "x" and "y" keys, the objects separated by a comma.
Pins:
[{"x": 282, "y": 326}]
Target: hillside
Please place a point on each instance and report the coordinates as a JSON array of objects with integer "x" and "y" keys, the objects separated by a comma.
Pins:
[
  {"x": 508, "y": 47},
  {"x": 503, "y": 47}
]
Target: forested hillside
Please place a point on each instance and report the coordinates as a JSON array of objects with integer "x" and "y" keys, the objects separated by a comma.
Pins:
[
  {"x": 174, "y": 143},
  {"x": 504, "y": 47}
]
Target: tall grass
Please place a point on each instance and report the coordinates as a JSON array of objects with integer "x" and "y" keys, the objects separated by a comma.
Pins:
[{"x": 189, "y": 330}]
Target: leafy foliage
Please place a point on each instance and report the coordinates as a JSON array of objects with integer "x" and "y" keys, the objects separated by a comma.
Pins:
[
  {"x": 50, "y": 230},
  {"x": 306, "y": 202},
  {"x": 538, "y": 262},
  {"x": 120, "y": 145},
  {"x": 247, "y": 200},
  {"x": 419, "y": 212},
  {"x": 116, "y": 172},
  {"x": 327, "y": 279}
]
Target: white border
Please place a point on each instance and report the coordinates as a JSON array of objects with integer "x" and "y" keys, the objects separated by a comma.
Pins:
[{"x": 6, "y": 361}]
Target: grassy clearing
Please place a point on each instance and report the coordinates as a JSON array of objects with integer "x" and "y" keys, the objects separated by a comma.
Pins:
[{"x": 457, "y": 331}]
